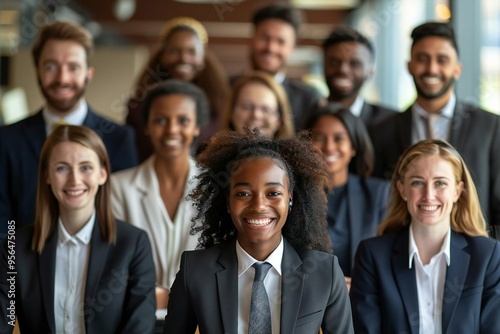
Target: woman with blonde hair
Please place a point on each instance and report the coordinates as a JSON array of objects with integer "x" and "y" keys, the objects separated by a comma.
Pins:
[
  {"x": 78, "y": 269},
  {"x": 258, "y": 101},
  {"x": 433, "y": 269}
]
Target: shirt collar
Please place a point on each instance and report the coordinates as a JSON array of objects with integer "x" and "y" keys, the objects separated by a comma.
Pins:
[
  {"x": 447, "y": 111},
  {"x": 357, "y": 106},
  {"x": 77, "y": 117},
  {"x": 445, "y": 248},
  {"x": 245, "y": 260},
  {"x": 83, "y": 236},
  {"x": 280, "y": 77}
]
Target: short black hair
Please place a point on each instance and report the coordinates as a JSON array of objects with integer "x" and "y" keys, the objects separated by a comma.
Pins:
[
  {"x": 347, "y": 34},
  {"x": 279, "y": 11},
  {"x": 174, "y": 86},
  {"x": 440, "y": 29}
]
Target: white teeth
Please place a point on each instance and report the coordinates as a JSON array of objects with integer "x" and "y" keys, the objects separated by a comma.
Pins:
[
  {"x": 259, "y": 222},
  {"x": 183, "y": 68},
  {"x": 342, "y": 82},
  {"x": 429, "y": 207},
  {"x": 431, "y": 80},
  {"x": 74, "y": 192},
  {"x": 332, "y": 158},
  {"x": 172, "y": 142}
]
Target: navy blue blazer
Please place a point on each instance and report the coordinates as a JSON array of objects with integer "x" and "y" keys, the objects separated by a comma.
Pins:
[
  {"x": 384, "y": 290},
  {"x": 205, "y": 293},
  {"x": 367, "y": 203},
  {"x": 20, "y": 147},
  {"x": 119, "y": 290},
  {"x": 475, "y": 133}
]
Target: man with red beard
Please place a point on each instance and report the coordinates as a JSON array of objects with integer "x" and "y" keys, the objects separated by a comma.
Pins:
[
  {"x": 276, "y": 29},
  {"x": 348, "y": 63},
  {"x": 438, "y": 114},
  {"x": 61, "y": 57}
]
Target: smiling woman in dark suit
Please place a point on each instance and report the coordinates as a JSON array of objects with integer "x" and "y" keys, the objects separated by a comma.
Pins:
[
  {"x": 358, "y": 202},
  {"x": 261, "y": 202},
  {"x": 433, "y": 270},
  {"x": 78, "y": 270}
]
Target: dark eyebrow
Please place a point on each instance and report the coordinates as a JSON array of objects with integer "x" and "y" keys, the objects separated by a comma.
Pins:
[{"x": 246, "y": 184}]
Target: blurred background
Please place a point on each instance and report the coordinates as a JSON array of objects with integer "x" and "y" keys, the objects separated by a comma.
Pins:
[{"x": 126, "y": 31}]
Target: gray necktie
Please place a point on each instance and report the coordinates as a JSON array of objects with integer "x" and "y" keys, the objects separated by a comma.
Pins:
[
  {"x": 430, "y": 123},
  {"x": 260, "y": 312}
]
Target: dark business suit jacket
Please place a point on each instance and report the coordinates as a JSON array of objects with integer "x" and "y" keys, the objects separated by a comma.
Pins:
[
  {"x": 367, "y": 201},
  {"x": 20, "y": 147},
  {"x": 475, "y": 134},
  {"x": 304, "y": 100},
  {"x": 119, "y": 290},
  {"x": 384, "y": 290},
  {"x": 205, "y": 293},
  {"x": 372, "y": 114}
]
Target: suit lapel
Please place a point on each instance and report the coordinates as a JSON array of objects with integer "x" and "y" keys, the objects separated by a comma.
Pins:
[
  {"x": 355, "y": 211},
  {"x": 366, "y": 113},
  {"x": 35, "y": 131},
  {"x": 92, "y": 121},
  {"x": 403, "y": 126},
  {"x": 456, "y": 274},
  {"x": 291, "y": 288},
  {"x": 459, "y": 126},
  {"x": 47, "y": 272},
  {"x": 227, "y": 287},
  {"x": 99, "y": 249},
  {"x": 149, "y": 194},
  {"x": 405, "y": 279}
]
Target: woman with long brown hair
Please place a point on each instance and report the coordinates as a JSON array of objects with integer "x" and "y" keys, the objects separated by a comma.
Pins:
[{"x": 77, "y": 269}]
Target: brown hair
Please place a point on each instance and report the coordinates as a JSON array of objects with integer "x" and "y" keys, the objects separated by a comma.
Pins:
[
  {"x": 47, "y": 206},
  {"x": 466, "y": 215},
  {"x": 287, "y": 129},
  {"x": 65, "y": 31}
]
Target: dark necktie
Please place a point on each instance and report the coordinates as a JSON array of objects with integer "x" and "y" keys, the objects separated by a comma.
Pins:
[{"x": 260, "y": 312}]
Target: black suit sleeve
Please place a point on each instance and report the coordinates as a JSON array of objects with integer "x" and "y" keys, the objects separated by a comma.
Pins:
[
  {"x": 337, "y": 318},
  {"x": 140, "y": 305},
  {"x": 364, "y": 293},
  {"x": 180, "y": 317}
]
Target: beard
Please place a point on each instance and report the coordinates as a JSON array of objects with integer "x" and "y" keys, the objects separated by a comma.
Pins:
[
  {"x": 256, "y": 66},
  {"x": 429, "y": 95},
  {"x": 336, "y": 95},
  {"x": 63, "y": 105}
]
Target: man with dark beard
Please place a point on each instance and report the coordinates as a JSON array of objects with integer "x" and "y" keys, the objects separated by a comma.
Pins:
[
  {"x": 348, "y": 63},
  {"x": 61, "y": 57},
  {"x": 438, "y": 114},
  {"x": 276, "y": 29}
]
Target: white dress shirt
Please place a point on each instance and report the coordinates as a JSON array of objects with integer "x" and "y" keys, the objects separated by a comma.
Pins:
[
  {"x": 72, "y": 256},
  {"x": 430, "y": 284},
  {"x": 442, "y": 121},
  {"x": 357, "y": 106},
  {"x": 272, "y": 283},
  {"x": 75, "y": 118}
]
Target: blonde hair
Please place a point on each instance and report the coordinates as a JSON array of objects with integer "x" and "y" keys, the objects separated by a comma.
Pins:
[
  {"x": 466, "y": 215},
  {"x": 286, "y": 129},
  {"x": 47, "y": 206}
]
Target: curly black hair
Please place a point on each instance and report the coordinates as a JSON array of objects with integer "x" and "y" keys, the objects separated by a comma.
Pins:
[{"x": 305, "y": 227}]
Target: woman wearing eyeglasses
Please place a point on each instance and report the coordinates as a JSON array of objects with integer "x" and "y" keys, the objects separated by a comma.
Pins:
[{"x": 259, "y": 102}]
